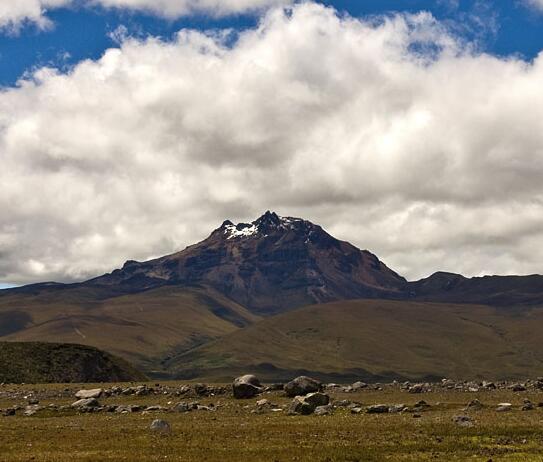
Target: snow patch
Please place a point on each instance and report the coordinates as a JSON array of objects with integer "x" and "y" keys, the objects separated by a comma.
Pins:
[{"x": 240, "y": 231}]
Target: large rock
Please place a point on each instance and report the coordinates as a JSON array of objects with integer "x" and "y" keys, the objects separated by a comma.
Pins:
[
  {"x": 306, "y": 405},
  {"x": 378, "y": 409},
  {"x": 87, "y": 402},
  {"x": 247, "y": 386},
  {"x": 301, "y": 386},
  {"x": 86, "y": 394}
]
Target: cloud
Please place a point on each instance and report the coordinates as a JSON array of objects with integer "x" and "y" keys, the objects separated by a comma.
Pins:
[
  {"x": 391, "y": 133},
  {"x": 15, "y": 13},
  {"x": 538, "y": 4}
]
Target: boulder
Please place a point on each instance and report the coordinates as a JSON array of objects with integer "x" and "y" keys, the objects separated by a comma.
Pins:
[
  {"x": 246, "y": 387},
  {"x": 86, "y": 394},
  {"x": 302, "y": 386},
  {"x": 306, "y": 405},
  {"x": 377, "y": 409},
  {"x": 300, "y": 406},
  {"x": 87, "y": 402}
]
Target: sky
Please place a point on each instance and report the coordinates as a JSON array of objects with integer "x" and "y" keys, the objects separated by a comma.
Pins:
[{"x": 130, "y": 129}]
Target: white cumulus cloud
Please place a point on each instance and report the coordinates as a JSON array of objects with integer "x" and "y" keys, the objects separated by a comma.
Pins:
[
  {"x": 392, "y": 134},
  {"x": 15, "y": 13}
]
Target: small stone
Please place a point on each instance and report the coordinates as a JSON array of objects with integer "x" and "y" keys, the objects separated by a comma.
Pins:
[
  {"x": 474, "y": 405},
  {"x": 504, "y": 407},
  {"x": 463, "y": 421},
  {"x": 181, "y": 407},
  {"x": 517, "y": 387},
  {"x": 324, "y": 410},
  {"x": 160, "y": 426},
  {"x": 359, "y": 386}
]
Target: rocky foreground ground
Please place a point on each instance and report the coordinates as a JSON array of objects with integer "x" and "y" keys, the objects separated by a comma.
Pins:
[{"x": 300, "y": 420}]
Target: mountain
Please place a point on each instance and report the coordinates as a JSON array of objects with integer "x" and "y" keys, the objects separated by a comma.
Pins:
[
  {"x": 176, "y": 313},
  {"x": 61, "y": 363},
  {"x": 270, "y": 265},
  {"x": 376, "y": 340}
]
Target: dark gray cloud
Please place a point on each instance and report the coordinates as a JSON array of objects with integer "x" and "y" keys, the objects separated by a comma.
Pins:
[{"x": 431, "y": 161}]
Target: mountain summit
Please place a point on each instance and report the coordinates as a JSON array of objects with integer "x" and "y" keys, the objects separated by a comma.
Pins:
[{"x": 270, "y": 265}]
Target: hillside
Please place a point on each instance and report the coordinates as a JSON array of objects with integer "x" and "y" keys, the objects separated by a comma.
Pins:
[
  {"x": 144, "y": 328},
  {"x": 374, "y": 339},
  {"x": 61, "y": 363}
]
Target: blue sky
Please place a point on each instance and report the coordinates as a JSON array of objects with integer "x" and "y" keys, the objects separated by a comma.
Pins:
[{"x": 500, "y": 27}]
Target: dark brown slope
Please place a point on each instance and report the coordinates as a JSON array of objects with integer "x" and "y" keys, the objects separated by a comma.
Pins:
[
  {"x": 270, "y": 265},
  {"x": 62, "y": 363},
  {"x": 376, "y": 340}
]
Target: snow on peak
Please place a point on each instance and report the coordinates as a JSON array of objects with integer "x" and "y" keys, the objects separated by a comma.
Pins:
[
  {"x": 269, "y": 220},
  {"x": 241, "y": 230}
]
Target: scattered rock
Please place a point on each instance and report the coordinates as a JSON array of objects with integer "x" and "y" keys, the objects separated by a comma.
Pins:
[
  {"x": 359, "y": 386},
  {"x": 463, "y": 421},
  {"x": 377, "y": 409},
  {"x": 246, "y": 387},
  {"x": 85, "y": 403},
  {"x": 129, "y": 408},
  {"x": 161, "y": 427},
  {"x": 504, "y": 407},
  {"x": 300, "y": 406},
  {"x": 517, "y": 387},
  {"x": 474, "y": 405},
  {"x": 528, "y": 405},
  {"x": 31, "y": 410},
  {"x": 417, "y": 388},
  {"x": 301, "y": 386},
  {"x": 356, "y": 410},
  {"x": 306, "y": 405},
  {"x": 397, "y": 408},
  {"x": 8, "y": 412},
  {"x": 87, "y": 394},
  {"x": 324, "y": 410}
]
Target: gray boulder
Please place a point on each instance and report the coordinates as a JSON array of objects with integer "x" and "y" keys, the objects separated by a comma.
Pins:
[
  {"x": 246, "y": 387},
  {"x": 86, "y": 394},
  {"x": 378, "y": 409},
  {"x": 301, "y": 386},
  {"x": 87, "y": 402},
  {"x": 306, "y": 405}
]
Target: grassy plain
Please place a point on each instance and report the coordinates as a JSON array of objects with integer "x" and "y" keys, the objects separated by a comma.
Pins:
[{"x": 234, "y": 433}]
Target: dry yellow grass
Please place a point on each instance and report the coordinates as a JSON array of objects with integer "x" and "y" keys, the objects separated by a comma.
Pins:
[{"x": 234, "y": 433}]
